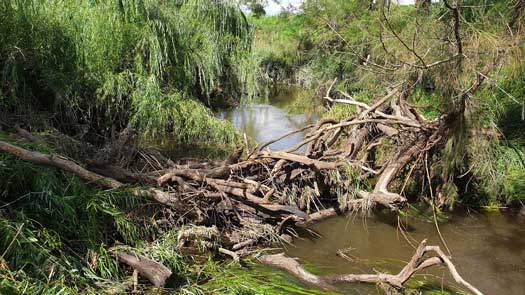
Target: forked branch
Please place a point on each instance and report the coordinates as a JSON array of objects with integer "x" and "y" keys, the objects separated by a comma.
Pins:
[{"x": 417, "y": 263}]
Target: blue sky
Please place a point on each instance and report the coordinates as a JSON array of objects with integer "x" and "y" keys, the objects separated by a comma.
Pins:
[{"x": 272, "y": 8}]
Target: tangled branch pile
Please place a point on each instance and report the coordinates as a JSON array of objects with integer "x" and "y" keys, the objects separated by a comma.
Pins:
[
  {"x": 257, "y": 198},
  {"x": 263, "y": 197}
]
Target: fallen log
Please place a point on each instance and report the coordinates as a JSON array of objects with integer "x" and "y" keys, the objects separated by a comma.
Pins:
[
  {"x": 91, "y": 177},
  {"x": 25, "y": 134},
  {"x": 232, "y": 254},
  {"x": 320, "y": 165},
  {"x": 417, "y": 263},
  {"x": 155, "y": 272},
  {"x": 59, "y": 162},
  {"x": 121, "y": 174},
  {"x": 317, "y": 217},
  {"x": 296, "y": 269}
]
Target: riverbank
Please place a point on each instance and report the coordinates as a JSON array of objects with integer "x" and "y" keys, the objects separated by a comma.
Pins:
[
  {"x": 126, "y": 217},
  {"x": 60, "y": 234},
  {"x": 120, "y": 175}
]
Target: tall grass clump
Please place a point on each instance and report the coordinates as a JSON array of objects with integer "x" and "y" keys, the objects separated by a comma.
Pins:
[{"x": 89, "y": 66}]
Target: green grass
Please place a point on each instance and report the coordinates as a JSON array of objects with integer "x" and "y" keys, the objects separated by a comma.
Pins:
[{"x": 51, "y": 223}]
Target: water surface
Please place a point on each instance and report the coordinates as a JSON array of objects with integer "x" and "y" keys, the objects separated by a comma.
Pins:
[
  {"x": 488, "y": 249},
  {"x": 267, "y": 119}
]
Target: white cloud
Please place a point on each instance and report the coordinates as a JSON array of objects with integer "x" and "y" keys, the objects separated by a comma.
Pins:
[{"x": 273, "y": 8}]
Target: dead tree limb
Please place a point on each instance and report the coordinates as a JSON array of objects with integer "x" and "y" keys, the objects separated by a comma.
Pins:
[
  {"x": 59, "y": 162},
  {"x": 91, "y": 177},
  {"x": 296, "y": 269},
  {"x": 155, "y": 272},
  {"x": 417, "y": 263},
  {"x": 380, "y": 193},
  {"x": 320, "y": 165}
]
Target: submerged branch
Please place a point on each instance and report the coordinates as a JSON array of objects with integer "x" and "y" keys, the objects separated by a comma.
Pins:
[{"x": 417, "y": 263}]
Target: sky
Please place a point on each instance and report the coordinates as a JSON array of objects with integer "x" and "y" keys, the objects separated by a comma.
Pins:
[{"x": 273, "y": 8}]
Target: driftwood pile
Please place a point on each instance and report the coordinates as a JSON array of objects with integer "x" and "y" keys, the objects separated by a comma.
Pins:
[{"x": 264, "y": 196}]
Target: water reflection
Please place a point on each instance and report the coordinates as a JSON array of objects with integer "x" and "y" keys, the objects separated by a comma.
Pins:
[{"x": 264, "y": 121}]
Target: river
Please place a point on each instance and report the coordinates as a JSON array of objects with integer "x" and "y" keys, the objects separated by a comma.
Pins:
[
  {"x": 487, "y": 248},
  {"x": 267, "y": 119}
]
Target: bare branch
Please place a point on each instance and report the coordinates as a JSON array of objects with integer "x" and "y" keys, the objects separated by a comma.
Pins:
[{"x": 416, "y": 263}]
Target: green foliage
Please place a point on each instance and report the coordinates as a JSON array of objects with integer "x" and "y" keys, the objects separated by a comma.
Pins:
[
  {"x": 50, "y": 222},
  {"x": 275, "y": 46},
  {"x": 95, "y": 64},
  {"x": 55, "y": 233},
  {"x": 498, "y": 153},
  {"x": 370, "y": 47}
]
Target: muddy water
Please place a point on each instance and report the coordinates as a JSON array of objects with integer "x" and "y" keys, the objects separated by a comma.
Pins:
[
  {"x": 488, "y": 249},
  {"x": 267, "y": 119}
]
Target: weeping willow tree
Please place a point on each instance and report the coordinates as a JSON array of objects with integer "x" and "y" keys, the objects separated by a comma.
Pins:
[{"x": 88, "y": 67}]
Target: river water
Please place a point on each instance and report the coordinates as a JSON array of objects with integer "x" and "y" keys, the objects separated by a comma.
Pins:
[
  {"x": 488, "y": 249},
  {"x": 267, "y": 119}
]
